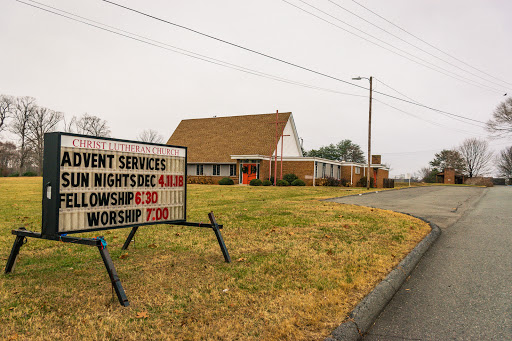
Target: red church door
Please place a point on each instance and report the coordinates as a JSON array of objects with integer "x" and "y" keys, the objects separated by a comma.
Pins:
[{"x": 249, "y": 172}]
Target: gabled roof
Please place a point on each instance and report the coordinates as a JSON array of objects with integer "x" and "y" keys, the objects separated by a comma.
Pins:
[{"x": 216, "y": 139}]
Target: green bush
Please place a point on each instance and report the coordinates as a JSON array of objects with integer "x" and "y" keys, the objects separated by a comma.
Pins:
[
  {"x": 255, "y": 182},
  {"x": 282, "y": 183},
  {"x": 290, "y": 177},
  {"x": 226, "y": 181},
  {"x": 344, "y": 182},
  {"x": 298, "y": 182},
  {"x": 267, "y": 183},
  {"x": 29, "y": 173},
  {"x": 362, "y": 182},
  {"x": 14, "y": 174}
]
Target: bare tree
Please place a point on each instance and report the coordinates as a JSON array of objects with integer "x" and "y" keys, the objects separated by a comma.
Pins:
[
  {"x": 151, "y": 136},
  {"x": 92, "y": 125},
  {"x": 504, "y": 162},
  {"x": 22, "y": 114},
  {"x": 8, "y": 158},
  {"x": 501, "y": 123},
  {"x": 427, "y": 174},
  {"x": 477, "y": 157},
  {"x": 69, "y": 127},
  {"x": 43, "y": 121},
  {"x": 6, "y": 109}
]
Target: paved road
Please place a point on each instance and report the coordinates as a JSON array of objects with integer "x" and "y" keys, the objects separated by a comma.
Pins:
[{"x": 462, "y": 287}]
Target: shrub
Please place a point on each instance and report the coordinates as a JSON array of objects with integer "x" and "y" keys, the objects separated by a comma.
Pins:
[
  {"x": 255, "y": 182},
  {"x": 479, "y": 181},
  {"x": 344, "y": 182},
  {"x": 14, "y": 174},
  {"x": 362, "y": 182},
  {"x": 226, "y": 181},
  {"x": 282, "y": 183},
  {"x": 267, "y": 183},
  {"x": 290, "y": 177},
  {"x": 332, "y": 182},
  {"x": 29, "y": 173},
  {"x": 201, "y": 180},
  {"x": 298, "y": 182}
]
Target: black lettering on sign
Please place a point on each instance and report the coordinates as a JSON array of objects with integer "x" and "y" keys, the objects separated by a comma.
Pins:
[
  {"x": 146, "y": 180},
  {"x": 95, "y": 219},
  {"x": 141, "y": 163},
  {"x": 121, "y": 162},
  {"x": 66, "y": 160},
  {"x": 77, "y": 159},
  {"x": 93, "y": 160},
  {"x": 75, "y": 179},
  {"x": 73, "y": 200},
  {"x": 65, "y": 179}
]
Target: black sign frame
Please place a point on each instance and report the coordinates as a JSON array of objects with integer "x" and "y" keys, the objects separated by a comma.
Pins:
[
  {"x": 52, "y": 177},
  {"x": 51, "y": 189}
]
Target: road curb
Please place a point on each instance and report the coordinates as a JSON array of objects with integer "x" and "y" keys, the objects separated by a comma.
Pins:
[{"x": 363, "y": 316}]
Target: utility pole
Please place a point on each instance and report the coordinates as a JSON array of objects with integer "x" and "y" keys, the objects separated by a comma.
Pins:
[
  {"x": 369, "y": 132},
  {"x": 369, "y": 138}
]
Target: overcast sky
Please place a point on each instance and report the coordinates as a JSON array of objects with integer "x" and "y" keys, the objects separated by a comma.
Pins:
[{"x": 75, "y": 68}]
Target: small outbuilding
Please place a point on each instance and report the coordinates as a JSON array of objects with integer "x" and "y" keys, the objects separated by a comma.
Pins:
[
  {"x": 259, "y": 147},
  {"x": 450, "y": 176}
]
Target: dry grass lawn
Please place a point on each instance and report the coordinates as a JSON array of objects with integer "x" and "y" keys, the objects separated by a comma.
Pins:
[{"x": 299, "y": 266}]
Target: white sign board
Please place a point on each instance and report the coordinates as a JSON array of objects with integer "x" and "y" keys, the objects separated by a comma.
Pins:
[{"x": 107, "y": 183}]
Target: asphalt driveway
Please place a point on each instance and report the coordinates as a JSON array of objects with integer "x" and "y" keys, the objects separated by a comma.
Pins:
[
  {"x": 461, "y": 288},
  {"x": 443, "y": 205}
]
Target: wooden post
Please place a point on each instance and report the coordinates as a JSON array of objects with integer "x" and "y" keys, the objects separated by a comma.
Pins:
[
  {"x": 277, "y": 141},
  {"x": 369, "y": 137}
]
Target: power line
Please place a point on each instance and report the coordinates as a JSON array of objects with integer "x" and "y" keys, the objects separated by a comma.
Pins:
[
  {"x": 425, "y": 42},
  {"x": 423, "y": 61},
  {"x": 178, "y": 50},
  {"x": 411, "y": 44},
  {"x": 398, "y": 92},
  {"x": 191, "y": 54},
  {"x": 431, "y": 122},
  {"x": 414, "y": 152},
  {"x": 284, "y": 61},
  {"x": 455, "y": 118}
]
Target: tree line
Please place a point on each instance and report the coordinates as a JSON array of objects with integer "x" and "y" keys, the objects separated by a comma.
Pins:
[
  {"x": 344, "y": 150},
  {"x": 473, "y": 157},
  {"x": 28, "y": 122}
]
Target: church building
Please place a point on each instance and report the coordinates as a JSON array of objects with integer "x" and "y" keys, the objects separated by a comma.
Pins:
[{"x": 258, "y": 147}]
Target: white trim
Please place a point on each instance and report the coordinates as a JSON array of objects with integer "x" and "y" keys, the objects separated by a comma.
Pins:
[
  {"x": 211, "y": 163},
  {"x": 351, "y": 175},
  {"x": 294, "y": 128},
  {"x": 301, "y": 158},
  {"x": 250, "y": 157}
]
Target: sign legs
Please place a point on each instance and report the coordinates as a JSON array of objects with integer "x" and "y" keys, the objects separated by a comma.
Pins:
[
  {"x": 99, "y": 242},
  {"x": 213, "y": 225},
  {"x": 116, "y": 282},
  {"x": 216, "y": 229},
  {"x": 18, "y": 243},
  {"x": 130, "y": 237}
]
